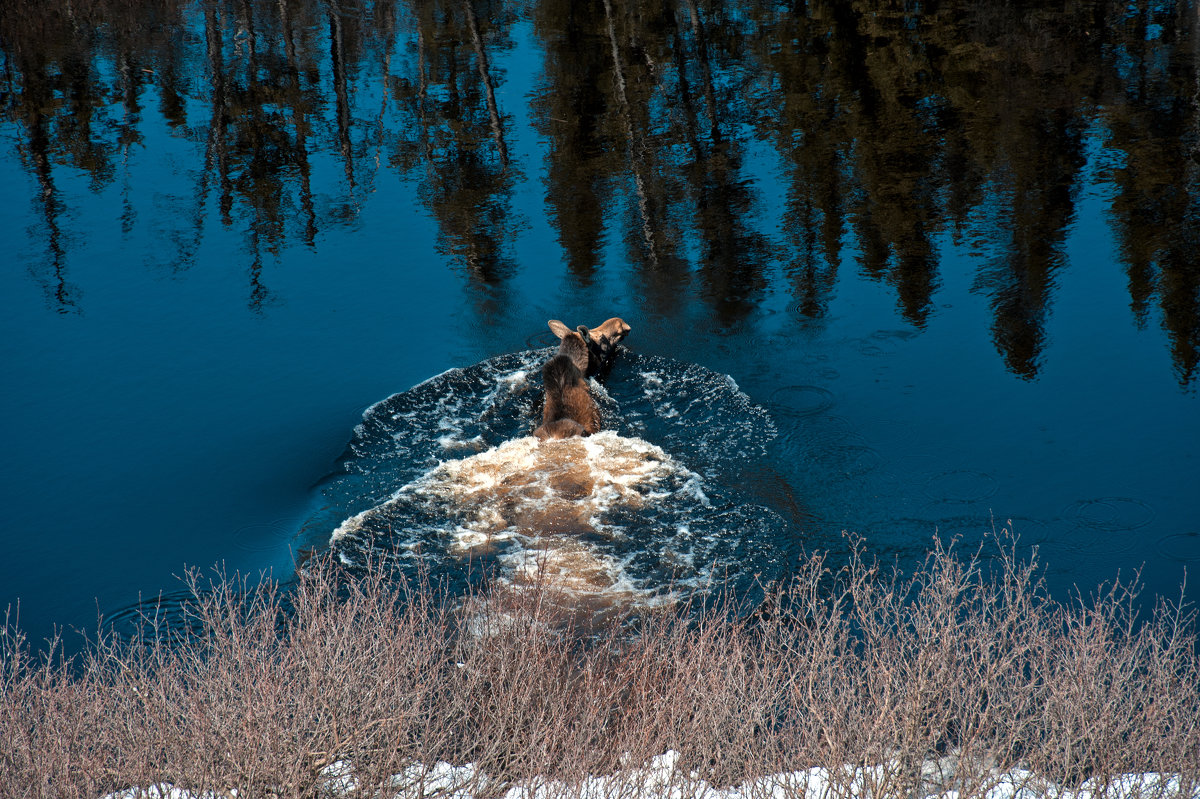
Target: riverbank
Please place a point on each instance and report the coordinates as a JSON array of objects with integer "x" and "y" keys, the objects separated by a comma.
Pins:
[{"x": 962, "y": 679}]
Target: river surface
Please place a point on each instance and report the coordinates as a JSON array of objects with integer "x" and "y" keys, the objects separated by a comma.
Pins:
[{"x": 897, "y": 270}]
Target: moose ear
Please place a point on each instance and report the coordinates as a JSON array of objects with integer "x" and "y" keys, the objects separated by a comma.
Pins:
[
  {"x": 583, "y": 331},
  {"x": 558, "y": 328}
]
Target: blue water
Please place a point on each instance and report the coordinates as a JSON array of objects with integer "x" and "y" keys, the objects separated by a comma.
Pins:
[
  {"x": 444, "y": 481},
  {"x": 176, "y": 387}
]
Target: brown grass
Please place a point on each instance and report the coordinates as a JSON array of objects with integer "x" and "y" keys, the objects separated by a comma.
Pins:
[{"x": 943, "y": 678}]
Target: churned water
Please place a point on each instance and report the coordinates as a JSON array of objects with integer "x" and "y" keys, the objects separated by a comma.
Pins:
[{"x": 452, "y": 481}]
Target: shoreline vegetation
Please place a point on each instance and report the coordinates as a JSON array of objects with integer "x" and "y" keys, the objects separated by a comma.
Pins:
[{"x": 963, "y": 678}]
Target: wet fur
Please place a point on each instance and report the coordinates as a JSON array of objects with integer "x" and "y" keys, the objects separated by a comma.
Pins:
[{"x": 569, "y": 409}]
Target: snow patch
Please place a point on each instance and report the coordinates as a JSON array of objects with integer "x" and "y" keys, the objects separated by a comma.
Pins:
[{"x": 662, "y": 777}]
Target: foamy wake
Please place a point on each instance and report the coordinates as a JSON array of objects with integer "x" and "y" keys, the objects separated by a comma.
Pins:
[
  {"x": 608, "y": 521},
  {"x": 545, "y": 510}
]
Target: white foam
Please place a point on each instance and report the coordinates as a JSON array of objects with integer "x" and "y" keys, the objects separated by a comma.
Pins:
[
  {"x": 513, "y": 381},
  {"x": 373, "y": 407},
  {"x": 551, "y": 502},
  {"x": 647, "y": 520}
]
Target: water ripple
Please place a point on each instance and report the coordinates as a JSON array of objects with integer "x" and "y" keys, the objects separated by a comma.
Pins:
[
  {"x": 1180, "y": 547},
  {"x": 818, "y": 433},
  {"x": 803, "y": 400},
  {"x": 883, "y": 342},
  {"x": 851, "y": 460},
  {"x": 1104, "y": 524},
  {"x": 1112, "y": 514},
  {"x": 543, "y": 339}
]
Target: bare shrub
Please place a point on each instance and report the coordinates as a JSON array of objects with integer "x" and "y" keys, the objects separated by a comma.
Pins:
[{"x": 957, "y": 676}]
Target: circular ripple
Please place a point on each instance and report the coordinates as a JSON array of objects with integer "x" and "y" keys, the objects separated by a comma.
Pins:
[
  {"x": 961, "y": 486},
  {"x": 851, "y": 460},
  {"x": 973, "y": 531},
  {"x": 1180, "y": 547},
  {"x": 873, "y": 349},
  {"x": 803, "y": 400},
  {"x": 810, "y": 437},
  {"x": 262, "y": 537},
  {"x": 821, "y": 433},
  {"x": 882, "y": 342},
  {"x": 904, "y": 438},
  {"x": 171, "y": 613},
  {"x": 1111, "y": 514},
  {"x": 812, "y": 359},
  {"x": 1105, "y": 525},
  {"x": 828, "y": 373}
]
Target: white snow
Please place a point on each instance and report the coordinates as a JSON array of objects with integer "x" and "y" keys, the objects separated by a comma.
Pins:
[{"x": 663, "y": 778}]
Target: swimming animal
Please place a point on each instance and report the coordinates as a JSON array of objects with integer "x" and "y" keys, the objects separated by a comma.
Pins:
[
  {"x": 600, "y": 342},
  {"x": 569, "y": 409}
]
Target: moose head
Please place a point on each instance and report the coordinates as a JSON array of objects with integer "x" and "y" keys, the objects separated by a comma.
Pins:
[{"x": 592, "y": 349}]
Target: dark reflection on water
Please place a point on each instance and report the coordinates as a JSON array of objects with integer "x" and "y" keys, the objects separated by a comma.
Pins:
[
  {"x": 896, "y": 127},
  {"x": 950, "y": 248},
  {"x": 451, "y": 128}
]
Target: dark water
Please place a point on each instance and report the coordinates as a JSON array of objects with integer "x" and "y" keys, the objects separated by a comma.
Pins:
[{"x": 949, "y": 249}]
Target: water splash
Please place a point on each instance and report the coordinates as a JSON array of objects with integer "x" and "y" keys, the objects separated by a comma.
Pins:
[{"x": 446, "y": 477}]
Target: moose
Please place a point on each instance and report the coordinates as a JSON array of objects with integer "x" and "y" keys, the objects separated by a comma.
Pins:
[{"x": 569, "y": 409}]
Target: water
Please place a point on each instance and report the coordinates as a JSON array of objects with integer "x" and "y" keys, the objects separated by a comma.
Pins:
[
  {"x": 613, "y": 521},
  {"x": 945, "y": 254}
]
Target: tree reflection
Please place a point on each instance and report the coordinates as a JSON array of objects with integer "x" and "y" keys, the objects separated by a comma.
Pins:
[
  {"x": 467, "y": 182},
  {"x": 52, "y": 100},
  {"x": 1152, "y": 100},
  {"x": 571, "y": 111},
  {"x": 894, "y": 128}
]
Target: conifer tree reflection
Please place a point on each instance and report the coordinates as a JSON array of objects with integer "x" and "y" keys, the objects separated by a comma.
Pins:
[
  {"x": 609, "y": 130},
  {"x": 1037, "y": 171},
  {"x": 897, "y": 128},
  {"x": 54, "y": 107},
  {"x": 571, "y": 110},
  {"x": 258, "y": 124},
  {"x": 128, "y": 132},
  {"x": 897, "y": 131},
  {"x": 466, "y": 180},
  {"x": 1153, "y": 117},
  {"x": 807, "y": 121},
  {"x": 337, "y": 61},
  {"x": 734, "y": 256},
  {"x": 59, "y": 292},
  {"x": 634, "y": 37},
  {"x": 299, "y": 120}
]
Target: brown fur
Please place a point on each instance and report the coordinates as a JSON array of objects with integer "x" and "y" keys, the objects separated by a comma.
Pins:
[
  {"x": 600, "y": 343},
  {"x": 569, "y": 409}
]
